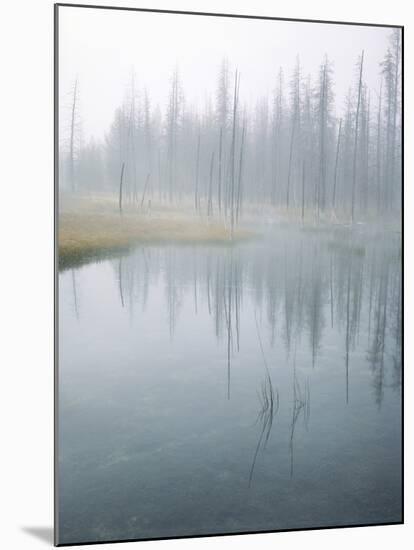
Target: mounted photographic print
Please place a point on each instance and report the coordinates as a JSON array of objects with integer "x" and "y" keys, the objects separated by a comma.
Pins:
[{"x": 228, "y": 274}]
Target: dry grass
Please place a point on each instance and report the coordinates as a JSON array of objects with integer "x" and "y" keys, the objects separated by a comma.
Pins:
[{"x": 91, "y": 228}]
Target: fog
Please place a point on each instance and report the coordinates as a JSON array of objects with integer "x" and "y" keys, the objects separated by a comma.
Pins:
[
  {"x": 230, "y": 283},
  {"x": 152, "y": 44},
  {"x": 153, "y": 96}
]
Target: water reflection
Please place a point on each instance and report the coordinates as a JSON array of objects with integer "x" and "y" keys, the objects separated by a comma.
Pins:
[
  {"x": 216, "y": 353},
  {"x": 300, "y": 408},
  {"x": 75, "y": 293},
  {"x": 292, "y": 284},
  {"x": 297, "y": 285}
]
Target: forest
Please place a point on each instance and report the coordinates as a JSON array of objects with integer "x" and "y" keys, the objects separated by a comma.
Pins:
[
  {"x": 294, "y": 157},
  {"x": 296, "y": 153}
]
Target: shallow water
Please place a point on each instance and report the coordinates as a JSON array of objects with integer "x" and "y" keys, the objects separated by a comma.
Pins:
[{"x": 214, "y": 389}]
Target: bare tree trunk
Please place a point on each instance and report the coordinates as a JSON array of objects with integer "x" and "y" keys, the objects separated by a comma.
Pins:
[
  {"x": 290, "y": 164},
  {"x": 120, "y": 187},
  {"x": 145, "y": 189},
  {"x": 159, "y": 176},
  {"x": 219, "y": 167},
  {"x": 210, "y": 188},
  {"x": 379, "y": 151},
  {"x": 366, "y": 159},
  {"x": 72, "y": 137},
  {"x": 322, "y": 161},
  {"x": 394, "y": 116},
  {"x": 239, "y": 188},
  {"x": 354, "y": 168},
  {"x": 338, "y": 145},
  {"x": 233, "y": 145},
  {"x": 172, "y": 136},
  {"x": 303, "y": 192},
  {"x": 133, "y": 141},
  {"x": 196, "y": 198}
]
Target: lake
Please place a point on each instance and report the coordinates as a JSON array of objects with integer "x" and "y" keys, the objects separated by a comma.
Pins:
[{"x": 228, "y": 389}]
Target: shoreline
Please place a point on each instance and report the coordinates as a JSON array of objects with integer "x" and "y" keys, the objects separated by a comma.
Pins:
[
  {"x": 93, "y": 229},
  {"x": 86, "y": 235}
]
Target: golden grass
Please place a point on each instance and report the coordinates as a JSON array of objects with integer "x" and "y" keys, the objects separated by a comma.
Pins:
[{"x": 95, "y": 229}]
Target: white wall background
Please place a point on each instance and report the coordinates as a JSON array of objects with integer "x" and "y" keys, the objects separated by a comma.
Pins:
[{"x": 26, "y": 289}]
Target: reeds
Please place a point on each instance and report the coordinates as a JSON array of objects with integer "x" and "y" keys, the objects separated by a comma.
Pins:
[{"x": 269, "y": 406}]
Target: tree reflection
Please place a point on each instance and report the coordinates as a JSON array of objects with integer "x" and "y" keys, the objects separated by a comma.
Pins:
[
  {"x": 300, "y": 408},
  {"x": 296, "y": 282}
]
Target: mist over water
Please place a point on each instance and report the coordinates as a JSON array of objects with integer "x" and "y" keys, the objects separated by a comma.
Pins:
[
  {"x": 210, "y": 390},
  {"x": 230, "y": 282}
]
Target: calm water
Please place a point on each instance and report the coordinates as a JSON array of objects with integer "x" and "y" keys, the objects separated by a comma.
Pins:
[{"x": 212, "y": 389}]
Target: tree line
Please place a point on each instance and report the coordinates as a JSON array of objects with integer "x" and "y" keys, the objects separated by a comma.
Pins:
[{"x": 291, "y": 150}]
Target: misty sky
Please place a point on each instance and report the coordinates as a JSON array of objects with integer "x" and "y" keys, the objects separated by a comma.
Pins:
[{"x": 101, "y": 47}]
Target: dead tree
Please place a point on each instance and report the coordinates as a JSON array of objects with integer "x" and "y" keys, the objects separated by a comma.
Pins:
[
  {"x": 220, "y": 167},
  {"x": 338, "y": 145},
  {"x": 196, "y": 199},
  {"x": 354, "y": 162},
  {"x": 120, "y": 187},
  {"x": 145, "y": 189},
  {"x": 303, "y": 192},
  {"x": 322, "y": 160},
  {"x": 292, "y": 135},
  {"x": 233, "y": 146},
  {"x": 72, "y": 136},
  {"x": 379, "y": 150},
  {"x": 295, "y": 86},
  {"x": 239, "y": 186},
  {"x": 210, "y": 188},
  {"x": 132, "y": 139},
  {"x": 396, "y": 40}
]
